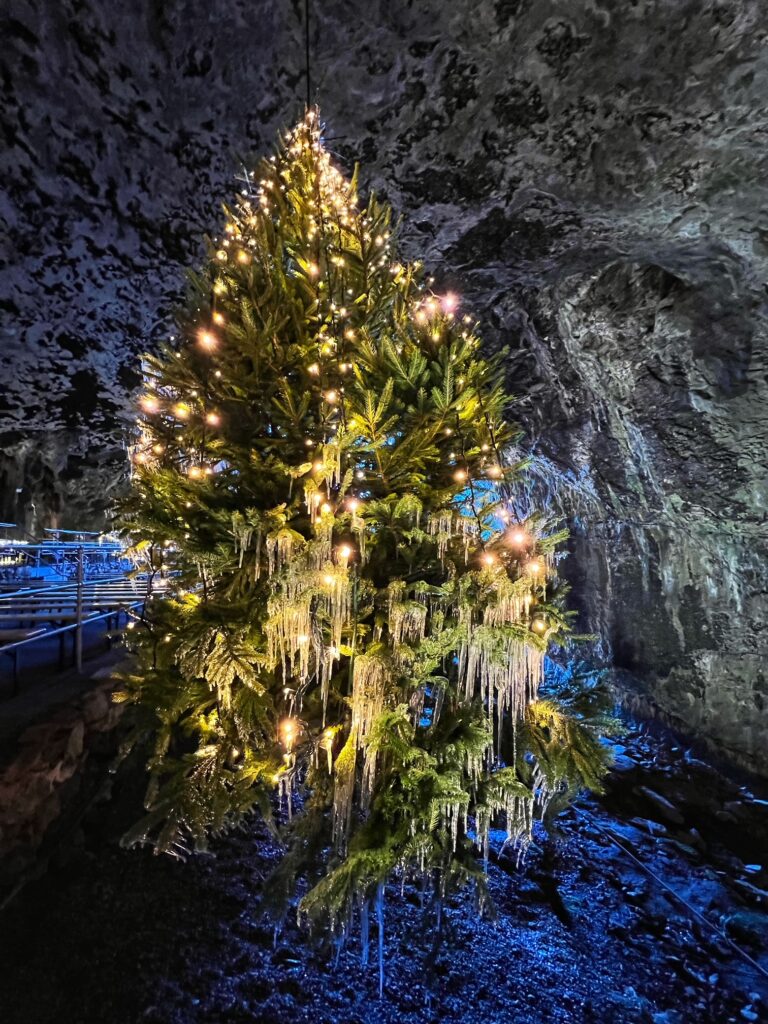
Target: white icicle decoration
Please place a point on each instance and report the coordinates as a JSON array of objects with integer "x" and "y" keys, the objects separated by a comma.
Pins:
[
  {"x": 369, "y": 679},
  {"x": 321, "y": 548},
  {"x": 468, "y": 529},
  {"x": 518, "y": 820},
  {"x": 502, "y": 670},
  {"x": 440, "y": 526},
  {"x": 242, "y": 534},
  {"x": 512, "y": 604},
  {"x": 328, "y": 658},
  {"x": 294, "y": 639},
  {"x": 331, "y": 464},
  {"x": 454, "y": 813},
  {"x": 289, "y": 627},
  {"x": 279, "y": 550},
  {"x": 312, "y": 499},
  {"x": 359, "y": 530},
  {"x": 407, "y": 619},
  {"x": 336, "y": 600},
  {"x": 242, "y": 531}
]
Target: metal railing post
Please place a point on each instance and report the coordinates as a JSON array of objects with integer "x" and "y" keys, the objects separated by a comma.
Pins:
[{"x": 79, "y": 609}]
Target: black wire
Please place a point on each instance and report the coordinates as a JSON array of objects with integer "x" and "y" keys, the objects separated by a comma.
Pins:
[{"x": 306, "y": 52}]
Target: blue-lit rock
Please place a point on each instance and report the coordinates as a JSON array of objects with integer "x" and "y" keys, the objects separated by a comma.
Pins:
[{"x": 582, "y": 933}]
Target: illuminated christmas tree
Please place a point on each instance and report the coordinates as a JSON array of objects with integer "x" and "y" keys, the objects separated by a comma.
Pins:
[{"x": 359, "y": 619}]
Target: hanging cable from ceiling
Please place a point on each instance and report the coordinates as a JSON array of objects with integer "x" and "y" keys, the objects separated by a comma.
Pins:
[{"x": 307, "y": 60}]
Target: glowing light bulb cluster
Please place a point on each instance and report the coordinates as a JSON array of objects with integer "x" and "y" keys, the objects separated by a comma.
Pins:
[{"x": 289, "y": 732}]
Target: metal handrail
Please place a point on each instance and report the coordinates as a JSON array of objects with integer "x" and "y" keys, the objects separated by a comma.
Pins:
[
  {"x": 54, "y": 594},
  {"x": 76, "y": 589},
  {"x": 71, "y": 585},
  {"x": 44, "y": 634}
]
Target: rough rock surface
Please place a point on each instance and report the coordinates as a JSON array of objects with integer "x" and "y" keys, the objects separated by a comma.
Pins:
[
  {"x": 50, "y": 774},
  {"x": 591, "y": 175}
]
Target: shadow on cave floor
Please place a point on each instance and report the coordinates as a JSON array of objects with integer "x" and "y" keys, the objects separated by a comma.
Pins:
[{"x": 581, "y": 933}]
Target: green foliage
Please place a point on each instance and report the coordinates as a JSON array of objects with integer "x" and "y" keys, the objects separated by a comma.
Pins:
[{"x": 352, "y": 619}]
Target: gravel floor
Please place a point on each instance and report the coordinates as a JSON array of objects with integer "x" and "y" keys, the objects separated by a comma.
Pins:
[{"x": 109, "y": 936}]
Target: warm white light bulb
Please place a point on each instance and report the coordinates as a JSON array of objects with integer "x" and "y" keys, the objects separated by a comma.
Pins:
[{"x": 288, "y": 732}]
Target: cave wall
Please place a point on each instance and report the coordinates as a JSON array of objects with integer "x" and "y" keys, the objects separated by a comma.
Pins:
[{"x": 589, "y": 174}]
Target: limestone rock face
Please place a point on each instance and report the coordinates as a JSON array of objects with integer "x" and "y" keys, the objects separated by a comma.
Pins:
[{"x": 591, "y": 176}]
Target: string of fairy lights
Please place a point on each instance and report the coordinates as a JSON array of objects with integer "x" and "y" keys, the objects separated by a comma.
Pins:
[{"x": 335, "y": 232}]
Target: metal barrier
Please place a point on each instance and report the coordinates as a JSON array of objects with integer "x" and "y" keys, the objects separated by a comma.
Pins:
[
  {"x": 12, "y": 649},
  {"x": 69, "y": 585},
  {"x": 69, "y": 608},
  {"x": 59, "y": 557}
]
